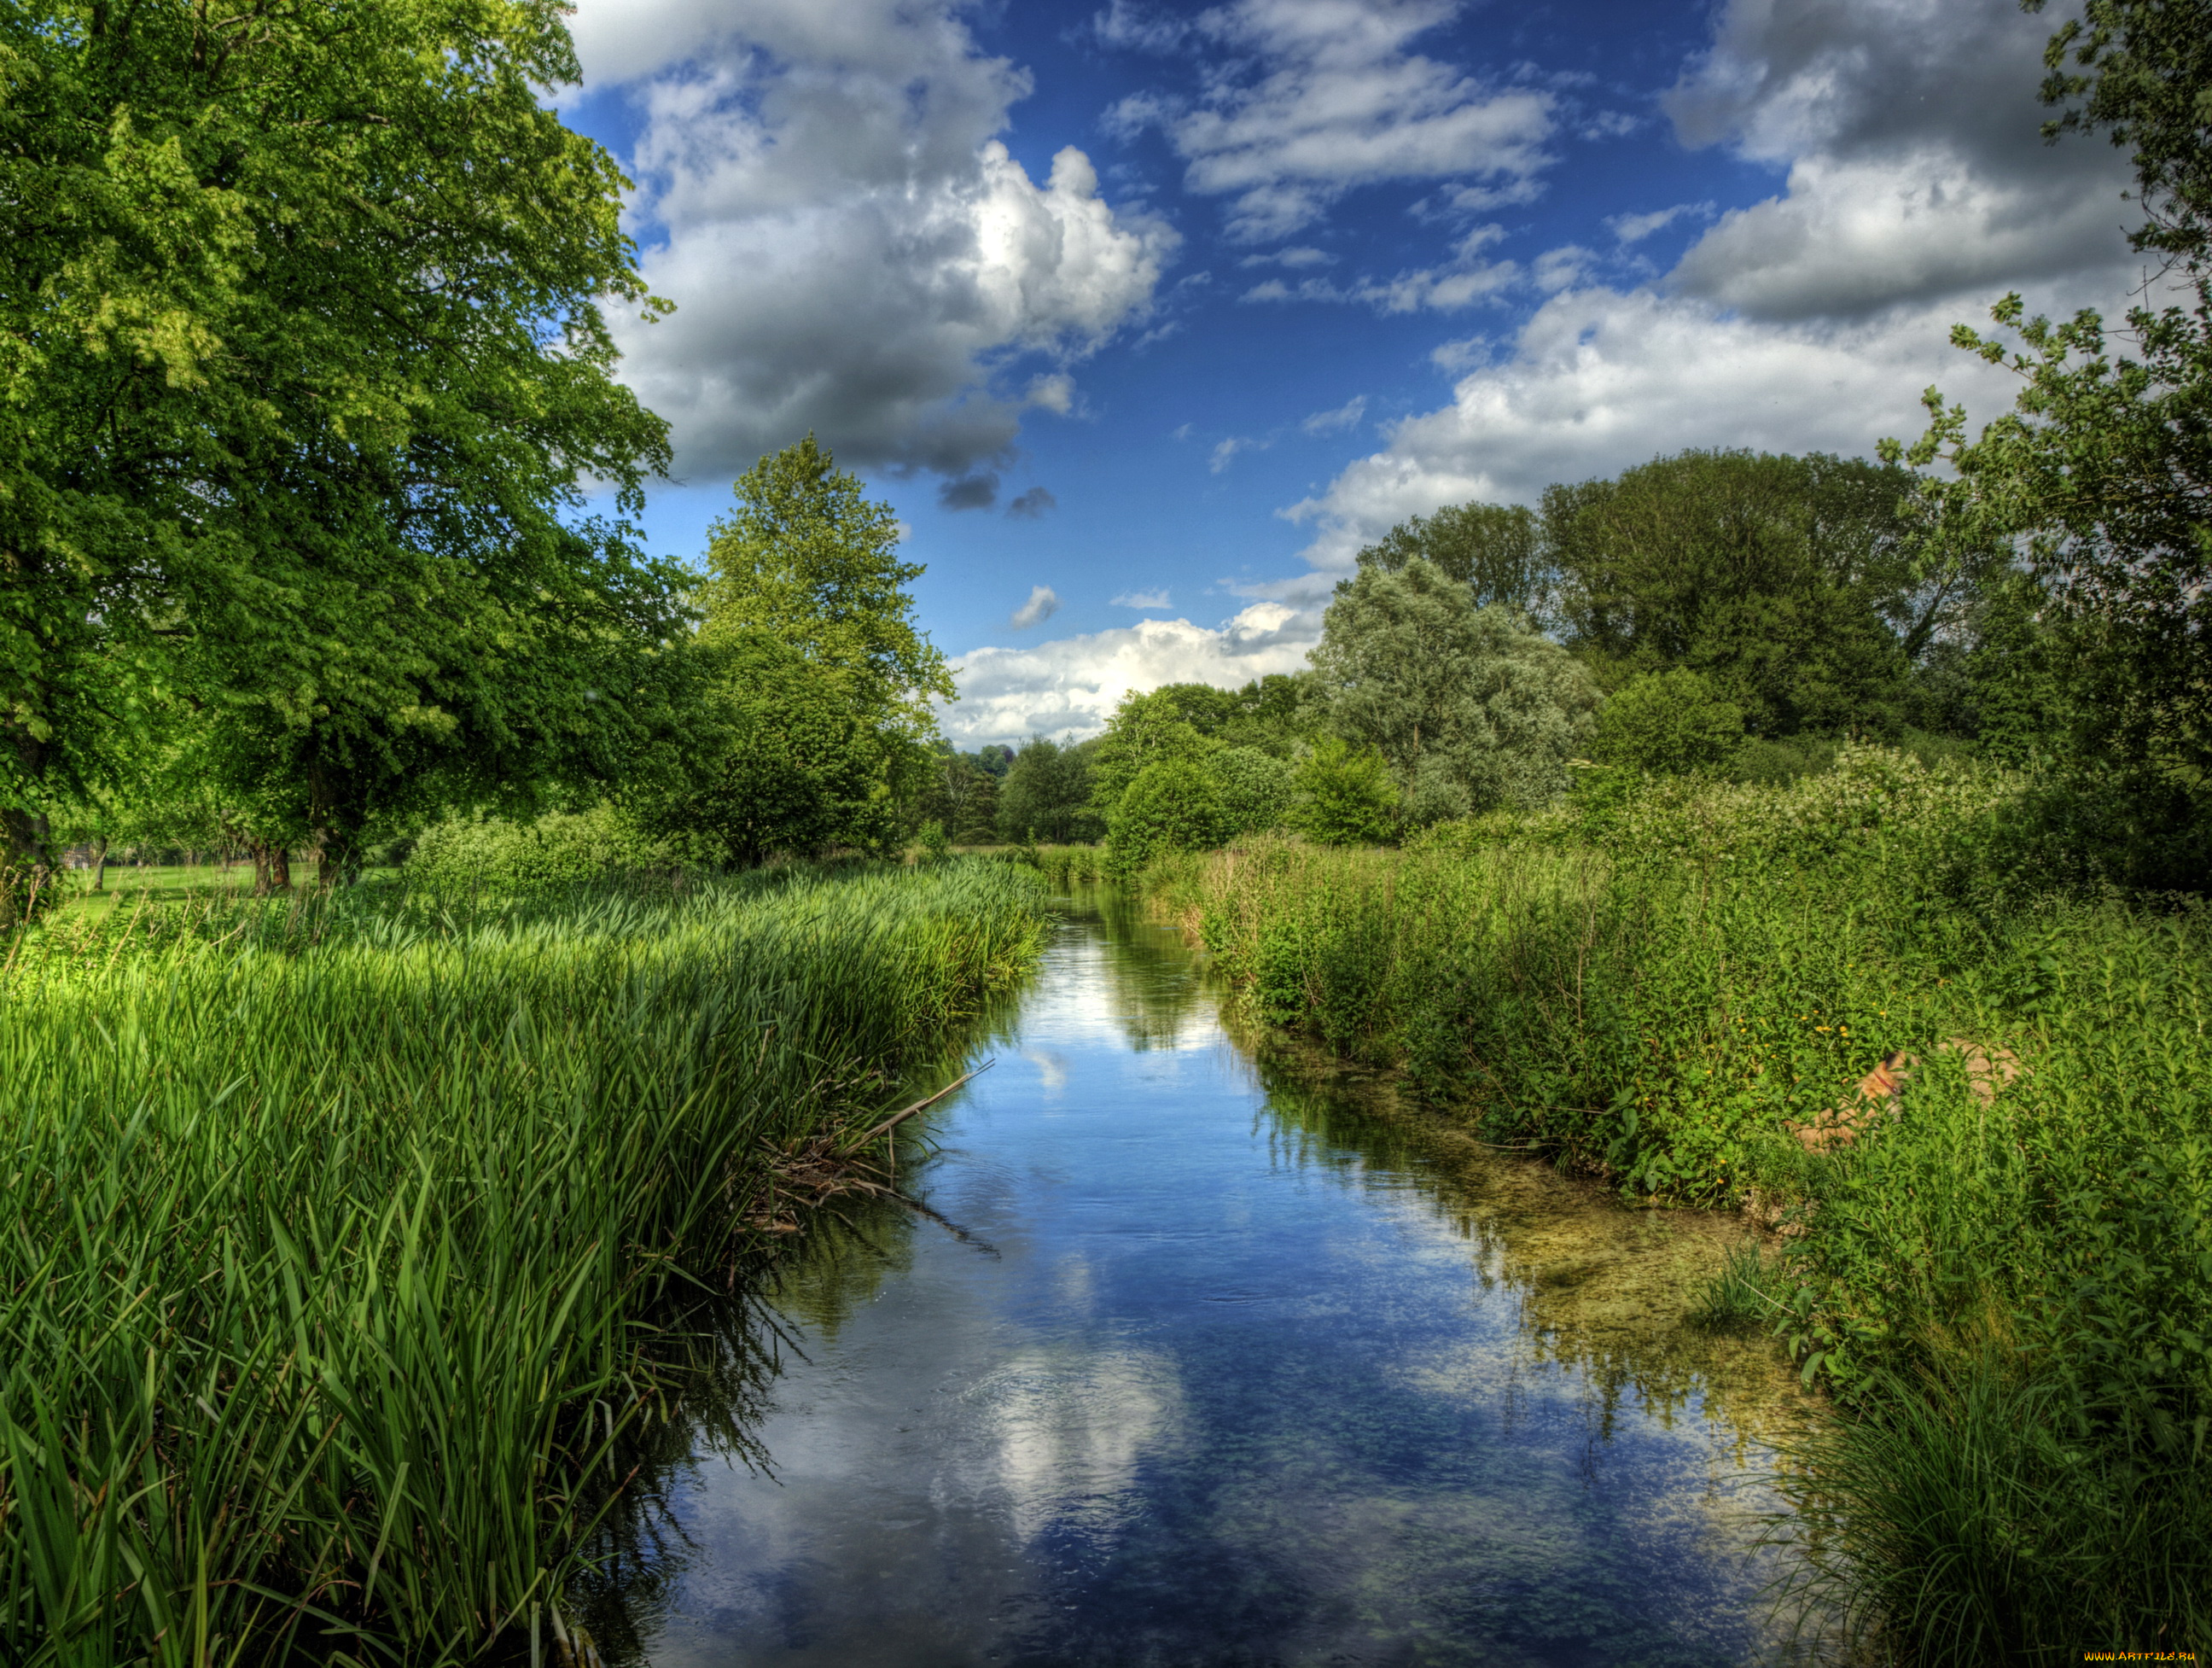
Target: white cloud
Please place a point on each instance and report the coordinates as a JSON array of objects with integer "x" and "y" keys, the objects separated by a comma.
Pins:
[
  {"x": 1635, "y": 228},
  {"x": 1318, "y": 96},
  {"x": 1462, "y": 280},
  {"x": 1142, "y": 599},
  {"x": 1909, "y": 129},
  {"x": 1225, "y": 451},
  {"x": 1598, "y": 380},
  {"x": 1345, "y": 415},
  {"x": 850, "y": 248},
  {"x": 1918, "y": 190},
  {"x": 1294, "y": 258},
  {"x": 1070, "y": 687},
  {"x": 1042, "y": 605}
]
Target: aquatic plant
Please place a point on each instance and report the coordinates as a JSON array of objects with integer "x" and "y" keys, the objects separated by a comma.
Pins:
[
  {"x": 339, "y": 1234},
  {"x": 1661, "y": 988}
]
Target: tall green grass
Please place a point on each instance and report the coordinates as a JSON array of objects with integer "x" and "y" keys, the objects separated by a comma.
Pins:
[
  {"x": 2012, "y": 1301},
  {"x": 342, "y": 1237},
  {"x": 1064, "y": 867}
]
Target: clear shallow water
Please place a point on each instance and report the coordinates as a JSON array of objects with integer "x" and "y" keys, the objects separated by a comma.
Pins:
[{"x": 1238, "y": 1366}]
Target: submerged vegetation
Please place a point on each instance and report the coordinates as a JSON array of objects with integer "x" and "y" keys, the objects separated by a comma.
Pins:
[{"x": 342, "y": 1236}]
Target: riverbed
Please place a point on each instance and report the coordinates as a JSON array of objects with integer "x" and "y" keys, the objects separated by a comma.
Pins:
[{"x": 1219, "y": 1357}]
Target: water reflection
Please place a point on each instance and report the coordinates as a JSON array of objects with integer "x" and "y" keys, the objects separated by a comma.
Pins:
[{"x": 1259, "y": 1369}]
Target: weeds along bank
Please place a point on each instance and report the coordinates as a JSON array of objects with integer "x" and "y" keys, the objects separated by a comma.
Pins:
[
  {"x": 336, "y": 1236},
  {"x": 2011, "y": 1291}
]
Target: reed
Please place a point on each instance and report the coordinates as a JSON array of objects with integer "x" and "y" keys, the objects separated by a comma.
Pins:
[
  {"x": 2010, "y": 1294},
  {"x": 338, "y": 1234}
]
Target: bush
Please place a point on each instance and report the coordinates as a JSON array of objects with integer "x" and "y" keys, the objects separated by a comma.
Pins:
[
  {"x": 1344, "y": 797},
  {"x": 1670, "y": 723},
  {"x": 2012, "y": 1297},
  {"x": 1173, "y": 806},
  {"x": 1255, "y": 787},
  {"x": 495, "y": 857}
]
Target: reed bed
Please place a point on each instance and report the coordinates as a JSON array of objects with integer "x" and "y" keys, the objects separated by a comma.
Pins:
[
  {"x": 1064, "y": 867},
  {"x": 340, "y": 1239},
  {"x": 2010, "y": 1294}
]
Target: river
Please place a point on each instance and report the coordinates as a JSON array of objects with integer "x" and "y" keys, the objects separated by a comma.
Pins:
[{"x": 1229, "y": 1362}]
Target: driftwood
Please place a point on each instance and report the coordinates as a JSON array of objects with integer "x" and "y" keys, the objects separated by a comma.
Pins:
[
  {"x": 1881, "y": 1093},
  {"x": 808, "y": 1175}
]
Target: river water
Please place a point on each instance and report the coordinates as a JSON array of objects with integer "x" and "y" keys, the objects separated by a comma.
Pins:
[{"x": 1230, "y": 1362}]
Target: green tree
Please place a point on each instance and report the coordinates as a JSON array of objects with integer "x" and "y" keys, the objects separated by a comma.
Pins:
[
  {"x": 1047, "y": 795},
  {"x": 305, "y": 360},
  {"x": 1345, "y": 795},
  {"x": 1496, "y": 551},
  {"x": 1670, "y": 723},
  {"x": 1794, "y": 584},
  {"x": 1256, "y": 789},
  {"x": 807, "y": 561},
  {"x": 1145, "y": 730},
  {"x": 1469, "y": 707},
  {"x": 762, "y": 753},
  {"x": 1171, "y": 805}
]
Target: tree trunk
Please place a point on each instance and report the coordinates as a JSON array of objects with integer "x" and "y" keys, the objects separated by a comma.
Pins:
[
  {"x": 272, "y": 867},
  {"x": 337, "y": 857},
  {"x": 99, "y": 864},
  {"x": 26, "y": 865}
]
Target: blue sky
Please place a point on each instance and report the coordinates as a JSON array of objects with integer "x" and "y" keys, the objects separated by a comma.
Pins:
[{"x": 1146, "y": 317}]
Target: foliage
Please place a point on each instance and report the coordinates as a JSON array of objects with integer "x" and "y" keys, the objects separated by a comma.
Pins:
[
  {"x": 807, "y": 559},
  {"x": 307, "y": 363},
  {"x": 2014, "y": 1298},
  {"x": 1256, "y": 788},
  {"x": 1344, "y": 794},
  {"x": 1495, "y": 550},
  {"x": 936, "y": 845},
  {"x": 1670, "y": 723},
  {"x": 407, "y": 1205},
  {"x": 559, "y": 851},
  {"x": 798, "y": 721},
  {"x": 1173, "y": 804},
  {"x": 1047, "y": 793},
  {"x": 765, "y": 755},
  {"x": 1791, "y": 582},
  {"x": 1145, "y": 730},
  {"x": 1470, "y": 707}
]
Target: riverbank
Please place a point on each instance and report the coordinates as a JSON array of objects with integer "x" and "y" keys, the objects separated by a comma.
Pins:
[
  {"x": 340, "y": 1230},
  {"x": 2010, "y": 1292}
]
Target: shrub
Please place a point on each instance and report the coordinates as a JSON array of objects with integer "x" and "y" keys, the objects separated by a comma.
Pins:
[
  {"x": 1344, "y": 797},
  {"x": 495, "y": 857},
  {"x": 1670, "y": 723},
  {"x": 1173, "y": 806},
  {"x": 1255, "y": 787}
]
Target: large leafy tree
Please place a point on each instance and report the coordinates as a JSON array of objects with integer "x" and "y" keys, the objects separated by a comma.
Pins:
[
  {"x": 1792, "y": 583},
  {"x": 808, "y": 652},
  {"x": 1496, "y": 551},
  {"x": 1468, "y": 705},
  {"x": 301, "y": 341},
  {"x": 2100, "y": 477}
]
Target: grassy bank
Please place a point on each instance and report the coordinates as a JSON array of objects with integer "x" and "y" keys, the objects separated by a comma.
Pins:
[
  {"x": 2013, "y": 1299},
  {"x": 338, "y": 1232}
]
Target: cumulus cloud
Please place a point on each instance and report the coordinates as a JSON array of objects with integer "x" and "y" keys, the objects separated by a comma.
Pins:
[
  {"x": 1597, "y": 381},
  {"x": 1917, "y": 190},
  {"x": 850, "y": 248},
  {"x": 1916, "y": 170},
  {"x": 1032, "y": 504},
  {"x": 1315, "y": 97},
  {"x": 1042, "y": 605},
  {"x": 1070, "y": 686},
  {"x": 1142, "y": 599}
]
